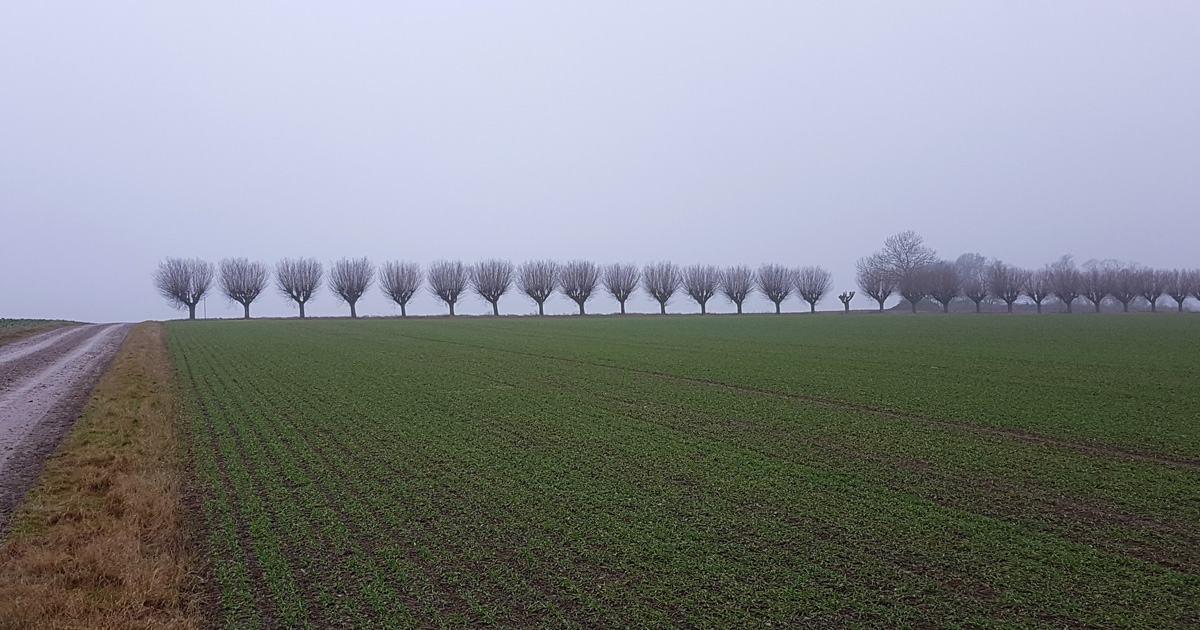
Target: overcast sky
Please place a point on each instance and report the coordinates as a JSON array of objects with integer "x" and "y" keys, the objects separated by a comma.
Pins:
[{"x": 800, "y": 133}]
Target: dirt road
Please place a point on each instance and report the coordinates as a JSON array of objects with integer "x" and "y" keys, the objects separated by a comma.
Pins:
[{"x": 45, "y": 381}]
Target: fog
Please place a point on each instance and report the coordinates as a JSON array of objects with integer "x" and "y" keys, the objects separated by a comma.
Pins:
[{"x": 791, "y": 133}]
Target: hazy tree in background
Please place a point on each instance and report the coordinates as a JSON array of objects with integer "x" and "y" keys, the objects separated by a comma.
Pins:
[
  {"x": 183, "y": 282},
  {"x": 700, "y": 283},
  {"x": 812, "y": 284},
  {"x": 400, "y": 281},
  {"x": 1038, "y": 287},
  {"x": 1006, "y": 283},
  {"x": 661, "y": 280},
  {"x": 1124, "y": 285},
  {"x": 578, "y": 280},
  {"x": 298, "y": 279},
  {"x": 944, "y": 284},
  {"x": 845, "y": 297},
  {"x": 775, "y": 282},
  {"x": 447, "y": 280},
  {"x": 491, "y": 279},
  {"x": 973, "y": 275},
  {"x": 1063, "y": 280},
  {"x": 1095, "y": 279},
  {"x": 242, "y": 281},
  {"x": 621, "y": 280},
  {"x": 537, "y": 279},
  {"x": 1151, "y": 284},
  {"x": 349, "y": 279},
  {"x": 914, "y": 285},
  {"x": 1180, "y": 284},
  {"x": 1194, "y": 283},
  {"x": 736, "y": 283},
  {"x": 874, "y": 280}
]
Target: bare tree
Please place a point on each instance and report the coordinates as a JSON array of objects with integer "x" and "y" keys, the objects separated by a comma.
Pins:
[
  {"x": 621, "y": 280},
  {"x": 845, "y": 297},
  {"x": 1125, "y": 284},
  {"x": 661, "y": 280},
  {"x": 1096, "y": 280},
  {"x": 812, "y": 284},
  {"x": 183, "y": 282},
  {"x": 700, "y": 283},
  {"x": 298, "y": 279},
  {"x": 944, "y": 284},
  {"x": 1194, "y": 283},
  {"x": 914, "y": 285},
  {"x": 1038, "y": 288},
  {"x": 1180, "y": 284},
  {"x": 447, "y": 280},
  {"x": 1006, "y": 283},
  {"x": 905, "y": 253},
  {"x": 736, "y": 283},
  {"x": 1064, "y": 281},
  {"x": 537, "y": 279},
  {"x": 491, "y": 279},
  {"x": 349, "y": 279},
  {"x": 775, "y": 282},
  {"x": 578, "y": 280},
  {"x": 1151, "y": 284},
  {"x": 874, "y": 280},
  {"x": 400, "y": 281},
  {"x": 242, "y": 281},
  {"x": 973, "y": 274}
]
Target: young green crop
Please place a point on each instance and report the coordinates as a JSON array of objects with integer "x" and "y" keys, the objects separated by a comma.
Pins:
[{"x": 696, "y": 471}]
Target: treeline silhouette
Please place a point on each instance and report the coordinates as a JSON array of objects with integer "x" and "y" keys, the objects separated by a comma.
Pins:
[{"x": 905, "y": 267}]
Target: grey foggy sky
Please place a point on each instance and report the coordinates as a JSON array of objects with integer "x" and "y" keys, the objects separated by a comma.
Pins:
[{"x": 797, "y": 133}]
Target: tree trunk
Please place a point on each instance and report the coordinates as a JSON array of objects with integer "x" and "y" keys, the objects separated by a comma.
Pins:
[
  {"x": 662, "y": 308},
  {"x": 914, "y": 306},
  {"x": 945, "y": 307},
  {"x": 353, "y": 313},
  {"x": 1097, "y": 306},
  {"x": 1069, "y": 306},
  {"x": 580, "y": 308},
  {"x": 977, "y": 307},
  {"x": 739, "y": 305},
  {"x": 247, "y": 305},
  {"x": 1181, "y": 305},
  {"x": 812, "y": 307},
  {"x": 847, "y": 305},
  {"x": 622, "y": 307},
  {"x": 702, "y": 311},
  {"x": 880, "y": 306},
  {"x": 191, "y": 311},
  {"x": 301, "y": 309},
  {"x": 541, "y": 308},
  {"x": 1010, "y": 307},
  {"x": 496, "y": 308},
  {"x": 1039, "y": 305},
  {"x": 452, "y": 309},
  {"x": 1154, "y": 305},
  {"x": 777, "y": 308},
  {"x": 403, "y": 312}
]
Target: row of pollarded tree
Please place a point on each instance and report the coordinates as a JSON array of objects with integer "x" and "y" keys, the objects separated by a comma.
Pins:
[
  {"x": 184, "y": 282},
  {"x": 905, "y": 266}
]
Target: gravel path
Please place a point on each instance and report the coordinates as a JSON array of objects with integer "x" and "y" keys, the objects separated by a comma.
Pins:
[{"x": 45, "y": 381}]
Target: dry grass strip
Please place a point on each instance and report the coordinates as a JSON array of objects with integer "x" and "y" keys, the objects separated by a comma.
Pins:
[
  {"x": 102, "y": 539},
  {"x": 10, "y": 335}
]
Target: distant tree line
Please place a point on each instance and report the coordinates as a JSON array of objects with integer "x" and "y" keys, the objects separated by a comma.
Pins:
[{"x": 903, "y": 267}]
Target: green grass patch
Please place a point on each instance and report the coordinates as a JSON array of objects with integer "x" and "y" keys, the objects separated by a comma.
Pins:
[{"x": 698, "y": 471}]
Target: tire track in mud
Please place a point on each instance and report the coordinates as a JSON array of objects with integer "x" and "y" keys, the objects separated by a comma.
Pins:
[{"x": 45, "y": 382}]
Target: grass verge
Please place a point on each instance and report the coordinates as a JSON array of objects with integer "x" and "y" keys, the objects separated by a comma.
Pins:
[
  {"x": 17, "y": 333},
  {"x": 101, "y": 541}
]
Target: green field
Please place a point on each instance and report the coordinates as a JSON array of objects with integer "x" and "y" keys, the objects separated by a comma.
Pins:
[{"x": 825, "y": 471}]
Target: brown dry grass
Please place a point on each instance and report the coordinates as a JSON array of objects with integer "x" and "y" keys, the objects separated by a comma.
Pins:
[
  {"x": 10, "y": 335},
  {"x": 102, "y": 541}
]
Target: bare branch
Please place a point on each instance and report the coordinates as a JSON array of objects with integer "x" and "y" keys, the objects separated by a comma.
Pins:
[
  {"x": 1038, "y": 287},
  {"x": 700, "y": 283},
  {"x": 242, "y": 281},
  {"x": 491, "y": 279},
  {"x": 737, "y": 283},
  {"x": 298, "y": 279},
  {"x": 661, "y": 280},
  {"x": 621, "y": 280},
  {"x": 943, "y": 284},
  {"x": 447, "y": 280},
  {"x": 1180, "y": 284},
  {"x": 973, "y": 276},
  {"x": 1096, "y": 280},
  {"x": 1063, "y": 280},
  {"x": 1124, "y": 284},
  {"x": 577, "y": 280},
  {"x": 1006, "y": 283},
  {"x": 812, "y": 284},
  {"x": 874, "y": 280},
  {"x": 400, "y": 281},
  {"x": 349, "y": 279},
  {"x": 845, "y": 297},
  {"x": 537, "y": 279},
  {"x": 1151, "y": 284},
  {"x": 775, "y": 282},
  {"x": 183, "y": 282}
]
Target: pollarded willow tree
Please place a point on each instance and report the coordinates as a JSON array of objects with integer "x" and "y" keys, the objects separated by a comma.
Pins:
[
  {"x": 1063, "y": 280},
  {"x": 943, "y": 284},
  {"x": 1038, "y": 287},
  {"x": 183, "y": 282},
  {"x": 1151, "y": 284},
  {"x": 621, "y": 280},
  {"x": 875, "y": 281},
  {"x": 812, "y": 284},
  {"x": 578, "y": 280},
  {"x": 537, "y": 279},
  {"x": 491, "y": 279},
  {"x": 775, "y": 282},
  {"x": 400, "y": 281},
  {"x": 1007, "y": 283},
  {"x": 349, "y": 279},
  {"x": 242, "y": 281},
  {"x": 736, "y": 283},
  {"x": 700, "y": 283},
  {"x": 298, "y": 279},
  {"x": 1096, "y": 280},
  {"x": 661, "y": 280},
  {"x": 1180, "y": 285},
  {"x": 447, "y": 281},
  {"x": 973, "y": 276}
]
